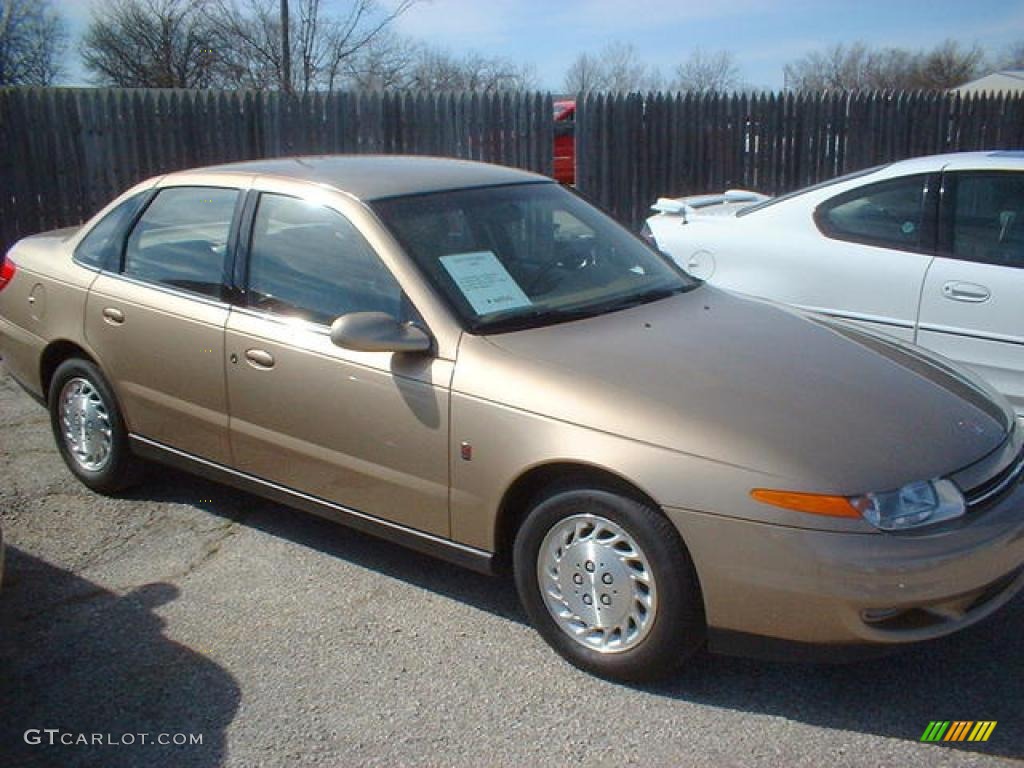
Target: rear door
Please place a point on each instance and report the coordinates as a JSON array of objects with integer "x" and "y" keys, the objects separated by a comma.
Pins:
[
  {"x": 972, "y": 306},
  {"x": 156, "y": 320}
]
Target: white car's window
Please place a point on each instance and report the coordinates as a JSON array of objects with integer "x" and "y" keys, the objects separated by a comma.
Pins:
[
  {"x": 309, "y": 261},
  {"x": 889, "y": 214},
  {"x": 181, "y": 239},
  {"x": 796, "y": 193},
  {"x": 988, "y": 218}
]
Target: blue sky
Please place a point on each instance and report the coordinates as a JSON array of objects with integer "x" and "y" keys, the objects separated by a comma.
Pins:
[{"x": 763, "y": 35}]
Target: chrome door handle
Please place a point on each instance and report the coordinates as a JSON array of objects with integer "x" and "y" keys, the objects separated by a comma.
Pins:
[
  {"x": 969, "y": 292},
  {"x": 259, "y": 358},
  {"x": 113, "y": 315}
]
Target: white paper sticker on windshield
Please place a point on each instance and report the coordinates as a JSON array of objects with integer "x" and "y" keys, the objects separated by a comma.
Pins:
[{"x": 486, "y": 284}]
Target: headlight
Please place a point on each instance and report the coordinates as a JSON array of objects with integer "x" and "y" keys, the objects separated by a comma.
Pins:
[{"x": 912, "y": 506}]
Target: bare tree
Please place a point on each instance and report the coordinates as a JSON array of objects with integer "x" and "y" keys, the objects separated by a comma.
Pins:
[
  {"x": 394, "y": 62},
  {"x": 440, "y": 70},
  {"x": 852, "y": 67},
  {"x": 33, "y": 40},
  {"x": 625, "y": 70},
  {"x": 385, "y": 63},
  {"x": 249, "y": 44},
  {"x": 585, "y": 74},
  {"x": 1012, "y": 57},
  {"x": 890, "y": 69},
  {"x": 707, "y": 72},
  {"x": 616, "y": 67},
  {"x": 436, "y": 69},
  {"x": 948, "y": 65},
  {"x": 318, "y": 51},
  {"x": 839, "y": 67},
  {"x": 149, "y": 44}
]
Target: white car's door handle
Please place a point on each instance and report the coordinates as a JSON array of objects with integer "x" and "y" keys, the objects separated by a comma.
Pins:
[{"x": 971, "y": 292}]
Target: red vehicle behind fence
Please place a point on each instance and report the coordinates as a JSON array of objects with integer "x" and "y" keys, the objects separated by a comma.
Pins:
[{"x": 565, "y": 141}]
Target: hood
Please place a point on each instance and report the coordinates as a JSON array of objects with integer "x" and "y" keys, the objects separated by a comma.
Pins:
[{"x": 752, "y": 384}]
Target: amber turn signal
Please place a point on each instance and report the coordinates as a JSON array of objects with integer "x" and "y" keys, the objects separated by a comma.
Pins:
[{"x": 814, "y": 503}]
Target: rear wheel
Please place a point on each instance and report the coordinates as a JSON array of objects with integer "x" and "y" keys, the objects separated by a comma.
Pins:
[
  {"x": 607, "y": 581},
  {"x": 89, "y": 429}
]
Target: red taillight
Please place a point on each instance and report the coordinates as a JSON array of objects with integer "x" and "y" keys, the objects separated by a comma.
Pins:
[{"x": 7, "y": 270}]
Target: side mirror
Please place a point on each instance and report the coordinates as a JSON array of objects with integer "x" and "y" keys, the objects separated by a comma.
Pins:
[{"x": 377, "y": 332}]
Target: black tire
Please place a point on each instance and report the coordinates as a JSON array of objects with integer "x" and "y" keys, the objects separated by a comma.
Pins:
[
  {"x": 121, "y": 469},
  {"x": 678, "y": 627}
]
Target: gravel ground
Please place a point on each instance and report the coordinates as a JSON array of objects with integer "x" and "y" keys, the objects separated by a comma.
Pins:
[{"x": 184, "y": 607}]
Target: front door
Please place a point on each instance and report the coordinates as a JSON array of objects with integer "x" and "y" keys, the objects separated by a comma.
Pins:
[
  {"x": 366, "y": 430},
  {"x": 972, "y": 307}
]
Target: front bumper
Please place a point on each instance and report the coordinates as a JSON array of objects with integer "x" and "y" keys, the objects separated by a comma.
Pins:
[{"x": 848, "y": 589}]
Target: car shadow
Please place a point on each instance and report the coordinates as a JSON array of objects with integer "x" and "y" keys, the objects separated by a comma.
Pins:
[
  {"x": 96, "y": 665},
  {"x": 492, "y": 594},
  {"x": 974, "y": 675}
]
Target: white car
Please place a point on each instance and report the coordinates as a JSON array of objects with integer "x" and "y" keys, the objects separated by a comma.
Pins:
[{"x": 930, "y": 250}]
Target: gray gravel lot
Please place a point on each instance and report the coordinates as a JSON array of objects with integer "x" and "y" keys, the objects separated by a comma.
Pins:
[{"x": 287, "y": 640}]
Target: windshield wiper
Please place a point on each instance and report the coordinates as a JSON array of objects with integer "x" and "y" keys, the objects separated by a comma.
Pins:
[
  {"x": 647, "y": 297},
  {"x": 518, "y": 319}
]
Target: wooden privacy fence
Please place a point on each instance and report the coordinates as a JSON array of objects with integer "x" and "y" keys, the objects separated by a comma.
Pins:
[
  {"x": 632, "y": 149},
  {"x": 64, "y": 153}
]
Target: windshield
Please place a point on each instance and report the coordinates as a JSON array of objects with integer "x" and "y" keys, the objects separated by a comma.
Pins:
[{"x": 529, "y": 254}]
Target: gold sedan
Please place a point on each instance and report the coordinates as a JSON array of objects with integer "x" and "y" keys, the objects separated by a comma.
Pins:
[{"x": 474, "y": 362}]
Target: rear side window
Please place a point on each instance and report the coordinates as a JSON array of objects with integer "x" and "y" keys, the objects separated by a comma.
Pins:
[
  {"x": 309, "y": 261},
  {"x": 988, "y": 218},
  {"x": 889, "y": 214},
  {"x": 181, "y": 239},
  {"x": 101, "y": 248}
]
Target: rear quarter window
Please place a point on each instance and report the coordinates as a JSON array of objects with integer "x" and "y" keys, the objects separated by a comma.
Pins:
[
  {"x": 889, "y": 214},
  {"x": 101, "y": 248}
]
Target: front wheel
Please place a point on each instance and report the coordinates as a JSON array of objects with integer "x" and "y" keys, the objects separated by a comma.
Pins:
[
  {"x": 89, "y": 429},
  {"x": 608, "y": 583}
]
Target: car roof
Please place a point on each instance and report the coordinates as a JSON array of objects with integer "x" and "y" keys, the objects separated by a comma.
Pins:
[
  {"x": 373, "y": 177},
  {"x": 1010, "y": 160}
]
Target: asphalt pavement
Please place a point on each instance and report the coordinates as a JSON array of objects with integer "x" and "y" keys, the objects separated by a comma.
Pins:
[{"x": 185, "y": 609}]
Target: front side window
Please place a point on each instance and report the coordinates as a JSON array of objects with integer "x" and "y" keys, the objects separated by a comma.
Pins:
[
  {"x": 988, "y": 218},
  {"x": 309, "y": 261},
  {"x": 181, "y": 239},
  {"x": 101, "y": 248},
  {"x": 889, "y": 214},
  {"x": 527, "y": 254}
]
